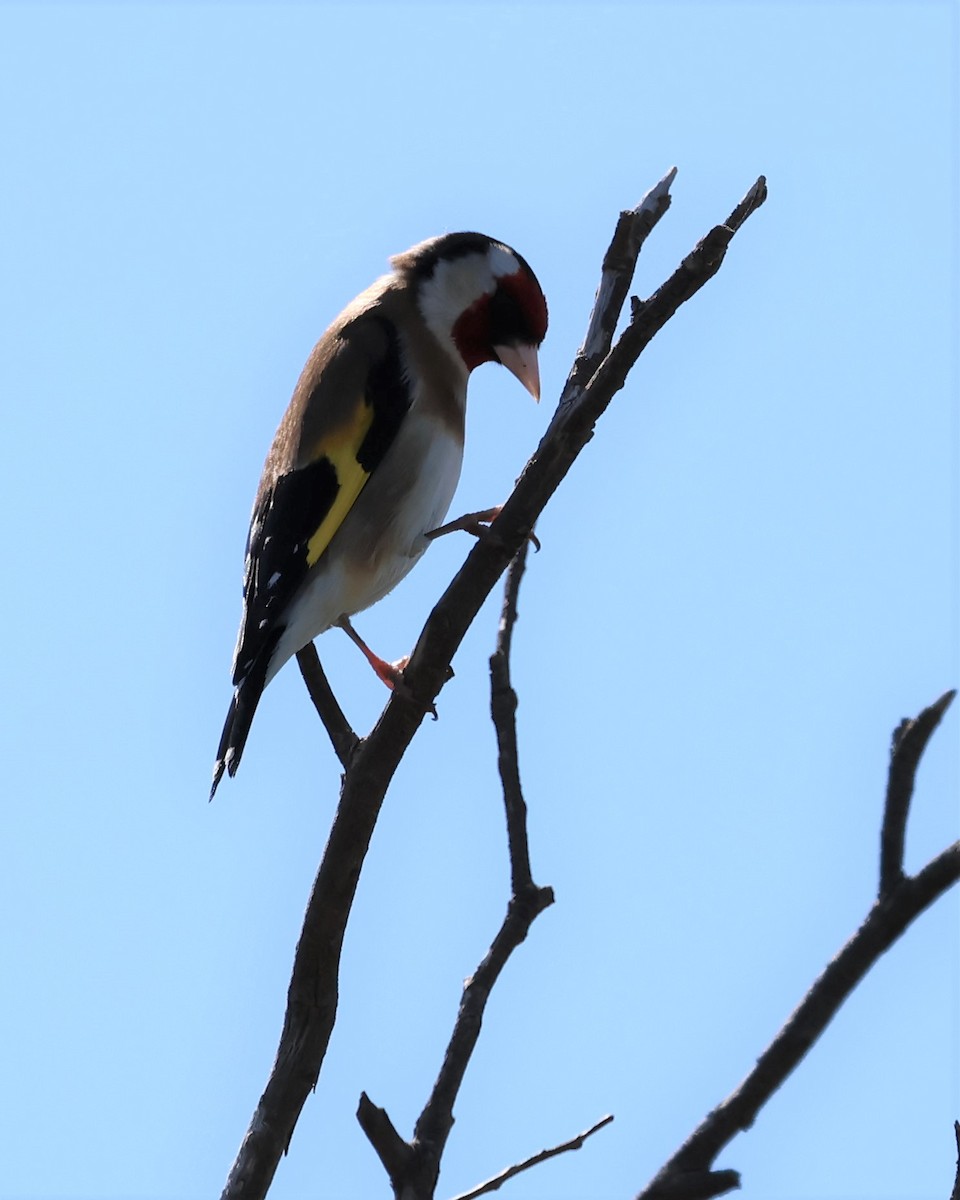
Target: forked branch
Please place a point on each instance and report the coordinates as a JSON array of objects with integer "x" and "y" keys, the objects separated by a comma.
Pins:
[
  {"x": 689, "y": 1174},
  {"x": 370, "y": 764},
  {"x": 414, "y": 1167}
]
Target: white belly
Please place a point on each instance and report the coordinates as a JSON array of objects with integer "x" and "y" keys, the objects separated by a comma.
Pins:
[{"x": 382, "y": 536}]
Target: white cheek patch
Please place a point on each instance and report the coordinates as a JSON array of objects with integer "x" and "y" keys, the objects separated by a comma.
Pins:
[
  {"x": 458, "y": 283},
  {"x": 502, "y": 261},
  {"x": 454, "y": 285}
]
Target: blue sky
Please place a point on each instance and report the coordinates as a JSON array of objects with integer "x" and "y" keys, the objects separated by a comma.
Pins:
[{"x": 747, "y": 580}]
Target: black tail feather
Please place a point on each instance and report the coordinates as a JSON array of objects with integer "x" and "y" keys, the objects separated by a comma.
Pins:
[{"x": 236, "y": 728}]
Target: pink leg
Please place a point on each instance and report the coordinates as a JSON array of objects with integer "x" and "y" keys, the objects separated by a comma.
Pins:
[
  {"x": 389, "y": 673},
  {"x": 476, "y": 523}
]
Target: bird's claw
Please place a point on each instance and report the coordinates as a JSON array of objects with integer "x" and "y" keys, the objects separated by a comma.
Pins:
[
  {"x": 393, "y": 678},
  {"x": 477, "y": 523}
]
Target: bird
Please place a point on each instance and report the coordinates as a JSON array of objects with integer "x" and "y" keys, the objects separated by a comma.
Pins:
[{"x": 366, "y": 460}]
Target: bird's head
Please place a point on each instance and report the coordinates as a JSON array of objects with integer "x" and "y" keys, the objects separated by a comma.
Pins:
[{"x": 481, "y": 301}]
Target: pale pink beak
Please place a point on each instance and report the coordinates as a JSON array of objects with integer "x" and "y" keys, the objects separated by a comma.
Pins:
[{"x": 522, "y": 361}]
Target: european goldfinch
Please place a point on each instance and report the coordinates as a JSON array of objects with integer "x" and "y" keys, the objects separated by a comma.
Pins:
[{"x": 367, "y": 457}]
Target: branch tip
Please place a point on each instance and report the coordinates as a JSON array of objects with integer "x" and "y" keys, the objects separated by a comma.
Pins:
[
  {"x": 395, "y": 1154},
  {"x": 955, "y": 1194},
  {"x": 755, "y": 196},
  {"x": 656, "y": 194},
  {"x": 907, "y": 746}
]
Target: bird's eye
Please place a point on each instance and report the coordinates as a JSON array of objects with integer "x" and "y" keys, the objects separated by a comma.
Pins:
[
  {"x": 508, "y": 321},
  {"x": 518, "y": 309}
]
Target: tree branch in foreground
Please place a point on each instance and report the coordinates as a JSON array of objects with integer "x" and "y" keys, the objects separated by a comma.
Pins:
[
  {"x": 688, "y": 1175},
  {"x": 312, "y": 994},
  {"x": 955, "y": 1194},
  {"x": 415, "y": 1169}
]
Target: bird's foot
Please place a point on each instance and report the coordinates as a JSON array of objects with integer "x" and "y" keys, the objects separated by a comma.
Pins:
[
  {"x": 388, "y": 673},
  {"x": 392, "y": 675},
  {"x": 477, "y": 523}
]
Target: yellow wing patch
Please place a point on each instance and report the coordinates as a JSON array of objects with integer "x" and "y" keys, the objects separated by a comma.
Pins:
[{"x": 340, "y": 447}]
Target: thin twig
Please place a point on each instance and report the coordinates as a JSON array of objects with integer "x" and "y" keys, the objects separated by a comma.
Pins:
[
  {"x": 509, "y": 611},
  {"x": 526, "y": 903},
  {"x": 435, "y": 1122},
  {"x": 415, "y": 1178},
  {"x": 650, "y": 316},
  {"x": 688, "y": 1174},
  {"x": 907, "y": 745},
  {"x": 493, "y": 1184},
  {"x": 339, "y": 729},
  {"x": 414, "y": 1175},
  {"x": 503, "y": 710},
  {"x": 619, "y": 264},
  {"x": 955, "y": 1194}
]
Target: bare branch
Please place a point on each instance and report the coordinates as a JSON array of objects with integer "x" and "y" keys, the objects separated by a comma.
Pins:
[
  {"x": 395, "y": 1154},
  {"x": 503, "y": 709},
  {"x": 492, "y": 1185},
  {"x": 748, "y": 205},
  {"x": 955, "y": 1194},
  {"x": 570, "y": 430},
  {"x": 339, "y": 729},
  {"x": 686, "y": 1174},
  {"x": 312, "y": 995},
  {"x": 650, "y": 316},
  {"x": 694, "y": 1185},
  {"x": 435, "y": 1122},
  {"x": 619, "y": 264},
  {"x": 907, "y": 745},
  {"x": 416, "y": 1178},
  {"x": 526, "y": 903}
]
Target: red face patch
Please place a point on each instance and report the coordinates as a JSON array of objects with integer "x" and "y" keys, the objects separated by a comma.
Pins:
[
  {"x": 471, "y": 334},
  {"x": 516, "y": 313}
]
